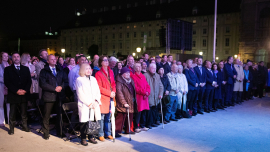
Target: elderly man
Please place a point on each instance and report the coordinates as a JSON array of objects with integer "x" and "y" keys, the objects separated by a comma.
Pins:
[
  {"x": 262, "y": 78},
  {"x": 238, "y": 84},
  {"x": 146, "y": 58},
  {"x": 175, "y": 88},
  {"x": 130, "y": 64},
  {"x": 155, "y": 96}
]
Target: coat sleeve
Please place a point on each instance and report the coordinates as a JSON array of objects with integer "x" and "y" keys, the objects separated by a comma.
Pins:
[
  {"x": 185, "y": 84},
  {"x": 7, "y": 80},
  {"x": 96, "y": 88},
  {"x": 113, "y": 82},
  {"x": 120, "y": 96},
  {"x": 43, "y": 84},
  {"x": 208, "y": 79},
  {"x": 228, "y": 72},
  {"x": 103, "y": 91},
  {"x": 70, "y": 78},
  {"x": 193, "y": 83},
  {"x": 168, "y": 87},
  {"x": 161, "y": 88},
  {"x": 80, "y": 93}
]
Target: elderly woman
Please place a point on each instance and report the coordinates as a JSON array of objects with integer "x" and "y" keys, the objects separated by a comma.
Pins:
[
  {"x": 167, "y": 88},
  {"x": 247, "y": 82},
  {"x": 142, "y": 92},
  {"x": 105, "y": 79},
  {"x": 182, "y": 95},
  {"x": 126, "y": 99},
  {"x": 71, "y": 64},
  {"x": 88, "y": 93},
  {"x": 3, "y": 89}
]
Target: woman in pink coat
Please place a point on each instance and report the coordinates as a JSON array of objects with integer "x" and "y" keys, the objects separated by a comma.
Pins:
[{"x": 142, "y": 92}]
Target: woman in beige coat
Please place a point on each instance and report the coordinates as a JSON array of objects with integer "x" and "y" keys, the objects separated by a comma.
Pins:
[{"x": 238, "y": 85}]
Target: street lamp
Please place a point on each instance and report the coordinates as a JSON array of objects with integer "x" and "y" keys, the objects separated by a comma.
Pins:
[
  {"x": 235, "y": 56},
  {"x": 138, "y": 49},
  {"x": 133, "y": 54},
  {"x": 217, "y": 58},
  {"x": 200, "y": 53},
  {"x": 63, "y": 51}
]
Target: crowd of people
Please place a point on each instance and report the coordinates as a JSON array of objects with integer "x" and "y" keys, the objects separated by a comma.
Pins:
[{"x": 143, "y": 92}]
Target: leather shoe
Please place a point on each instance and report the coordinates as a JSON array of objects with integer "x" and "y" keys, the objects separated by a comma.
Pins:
[
  {"x": 179, "y": 117},
  {"x": 26, "y": 129},
  {"x": 154, "y": 125},
  {"x": 92, "y": 140},
  {"x": 101, "y": 138},
  {"x": 11, "y": 132},
  {"x": 84, "y": 142},
  {"x": 117, "y": 135},
  {"x": 207, "y": 111},
  {"x": 157, "y": 123},
  {"x": 194, "y": 114},
  {"x": 46, "y": 136},
  {"x": 212, "y": 110},
  {"x": 173, "y": 119},
  {"x": 150, "y": 127},
  {"x": 200, "y": 112},
  {"x": 165, "y": 122}
]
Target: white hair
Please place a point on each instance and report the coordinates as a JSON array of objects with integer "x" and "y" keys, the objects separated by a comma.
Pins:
[
  {"x": 152, "y": 64},
  {"x": 112, "y": 58},
  {"x": 180, "y": 66}
]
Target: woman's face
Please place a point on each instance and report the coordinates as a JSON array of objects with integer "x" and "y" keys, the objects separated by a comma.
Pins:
[
  {"x": 67, "y": 60},
  {"x": 119, "y": 66},
  {"x": 144, "y": 65},
  {"x": 88, "y": 71},
  {"x": 180, "y": 70},
  {"x": 5, "y": 57},
  {"x": 35, "y": 62},
  {"x": 246, "y": 67},
  {"x": 105, "y": 62},
  {"x": 72, "y": 61},
  {"x": 161, "y": 71},
  {"x": 126, "y": 75},
  {"x": 61, "y": 61},
  {"x": 215, "y": 67},
  {"x": 138, "y": 68}
]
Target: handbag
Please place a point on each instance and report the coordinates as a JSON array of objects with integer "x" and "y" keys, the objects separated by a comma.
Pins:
[{"x": 92, "y": 127}]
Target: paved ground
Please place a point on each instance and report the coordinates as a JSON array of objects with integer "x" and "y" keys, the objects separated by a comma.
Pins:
[{"x": 243, "y": 128}]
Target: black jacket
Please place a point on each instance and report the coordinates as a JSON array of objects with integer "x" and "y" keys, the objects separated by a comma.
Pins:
[
  {"x": 15, "y": 80},
  {"x": 48, "y": 82},
  {"x": 262, "y": 74},
  {"x": 159, "y": 65},
  {"x": 166, "y": 83},
  {"x": 167, "y": 68}
]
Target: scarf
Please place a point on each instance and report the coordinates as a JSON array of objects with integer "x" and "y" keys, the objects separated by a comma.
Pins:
[
  {"x": 45, "y": 61},
  {"x": 246, "y": 76},
  {"x": 127, "y": 81}
]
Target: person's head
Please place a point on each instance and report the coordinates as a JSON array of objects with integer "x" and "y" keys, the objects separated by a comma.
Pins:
[
  {"x": 184, "y": 64},
  {"x": 174, "y": 62},
  {"x": 67, "y": 60},
  {"x": 144, "y": 65},
  {"x": 164, "y": 58},
  {"x": 208, "y": 65},
  {"x": 112, "y": 61},
  {"x": 236, "y": 61},
  {"x": 152, "y": 68},
  {"x": 174, "y": 68},
  {"x": 34, "y": 61},
  {"x": 119, "y": 65},
  {"x": 200, "y": 61},
  {"x": 103, "y": 61},
  {"x": 261, "y": 63},
  {"x": 95, "y": 63},
  {"x": 81, "y": 59},
  {"x": 221, "y": 65},
  {"x": 25, "y": 58},
  {"x": 152, "y": 61},
  {"x": 249, "y": 62},
  {"x": 195, "y": 60},
  {"x": 214, "y": 66},
  {"x": 145, "y": 56},
  {"x": 43, "y": 54},
  {"x": 180, "y": 69},
  {"x": 130, "y": 61},
  {"x": 60, "y": 60},
  {"x": 85, "y": 70},
  {"x": 189, "y": 63},
  {"x": 170, "y": 58},
  {"x": 96, "y": 57},
  {"x": 161, "y": 71},
  {"x": 125, "y": 73},
  {"x": 230, "y": 60},
  {"x": 178, "y": 63},
  {"x": 16, "y": 58},
  {"x": 138, "y": 67},
  {"x": 246, "y": 67},
  {"x": 140, "y": 60},
  {"x": 4, "y": 56},
  {"x": 51, "y": 60},
  {"x": 72, "y": 61},
  {"x": 158, "y": 59}
]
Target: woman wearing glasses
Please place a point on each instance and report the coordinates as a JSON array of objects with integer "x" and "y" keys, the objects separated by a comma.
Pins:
[{"x": 105, "y": 79}]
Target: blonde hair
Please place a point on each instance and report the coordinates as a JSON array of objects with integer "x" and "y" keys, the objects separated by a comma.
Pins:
[
  {"x": 83, "y": 69},
  {"x": 24, "y": 58}
]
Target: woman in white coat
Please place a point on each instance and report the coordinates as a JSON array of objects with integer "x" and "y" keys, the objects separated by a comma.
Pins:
[
  {"x": 182, "y": 95},
  {"x": 88, "y": 100}
]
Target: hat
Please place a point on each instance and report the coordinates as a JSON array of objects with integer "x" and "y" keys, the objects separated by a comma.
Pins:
[
  {"x": 157, "y": 56},
  {"x": 248, "y": 60},
  {"x": 124, "y": 70}
]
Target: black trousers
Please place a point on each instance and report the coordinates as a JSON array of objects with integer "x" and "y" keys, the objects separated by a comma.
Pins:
[
  {"x": 82, "y": 130},
  {"x": 151, "y": 116},
  {"x": 260, "y": 89},
  {"x": 191, "y": 98},
  {"x": 143, "y": 118},
  {"x": 137, "y": 117},
  {"x": 12, "y": 114},
  {"x": 48, "y": 107}
]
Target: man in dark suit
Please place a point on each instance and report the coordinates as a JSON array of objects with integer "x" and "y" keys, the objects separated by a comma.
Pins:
[
  {"x": 210, "y": 86},
  {"x": 158, "y": 63},
  {"x": 17, "y": 79},
  {"x": 200, "y": 72},
  {"x": 167, "y": 66},
  {"x": 52, "y": 80},
  {"x": 262, "y": 78},
  {"x": 230, "y": 75},
  {"x": 223, "y": 89}
]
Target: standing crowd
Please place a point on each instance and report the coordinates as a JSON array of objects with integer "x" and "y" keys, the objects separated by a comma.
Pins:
[{"x": 142, "y": 92}]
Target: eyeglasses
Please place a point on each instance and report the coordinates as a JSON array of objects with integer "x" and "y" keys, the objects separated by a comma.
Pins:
[{"x": 105, "y": 60}]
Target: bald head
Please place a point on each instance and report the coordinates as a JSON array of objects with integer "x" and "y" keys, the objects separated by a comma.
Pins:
[
  {"x": 51, "y": 60},
  {"x": 174, "y": 68}
]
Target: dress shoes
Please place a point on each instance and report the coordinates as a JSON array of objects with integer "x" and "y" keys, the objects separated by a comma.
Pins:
[
  {"x": 92, "y": 140},
  {"x": 84, "y": 142},
  {"x": 173, "y": 119},
  {"x": 11, "y": 132},
  {"x": 207, "y": 111},
  {"x": 26, "y": 129},
  {"x": 200, "y": 112},
  {"x": 157, "y": 123},
  {"x": 150, "y": 127},
  {"x": 144, "y": 129},
  {"x": 46, "y": 136},
  {"x": 165, "y": 122},
  {"x": 212, "y": 110},
  {"x": 154, "y": 125},
  {"x": 117, "y": 135},
  {"x": 194, "y": 114}
]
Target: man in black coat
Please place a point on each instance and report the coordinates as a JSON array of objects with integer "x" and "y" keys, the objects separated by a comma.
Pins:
[
  {"x": 167, "y": 66},
  {"x": 262, "y": 78},
  {"x": 52, "y": 80},
  {"x": 17, "y": 79}
]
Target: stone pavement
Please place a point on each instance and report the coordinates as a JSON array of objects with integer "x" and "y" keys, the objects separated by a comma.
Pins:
[{"x": 243, "y": 128}]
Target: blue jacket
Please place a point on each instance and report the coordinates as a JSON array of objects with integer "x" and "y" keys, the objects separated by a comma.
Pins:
[
  {"x": 201, "y": 77},
  {"x": 192, "y": 79},
  {"x": 166, "y": 83},
  {"x": 219, "y": 78},
  {"x": 209, "y": 79},
  {"x": 229, "y": 71}
]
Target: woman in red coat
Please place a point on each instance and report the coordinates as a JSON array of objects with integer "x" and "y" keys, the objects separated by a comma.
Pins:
[
  {"x": 142, "y": 92},
  {"x": 107, "y": 86}
]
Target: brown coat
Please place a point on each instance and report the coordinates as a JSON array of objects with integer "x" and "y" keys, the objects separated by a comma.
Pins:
[
  {"x": 123, "y": 95},
  {"x": 34, "y": 87}
]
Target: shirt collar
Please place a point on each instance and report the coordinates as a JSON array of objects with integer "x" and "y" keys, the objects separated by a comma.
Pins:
[{"x": 17, "y": 65}]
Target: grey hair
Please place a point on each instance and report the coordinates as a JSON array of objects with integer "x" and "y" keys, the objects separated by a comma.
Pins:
[
  {"x": 152, "y": 64},
  {"x": 136, "y": 64},
  {"x": 180, "y": 66},
  {"x": 112, "y": 58}
]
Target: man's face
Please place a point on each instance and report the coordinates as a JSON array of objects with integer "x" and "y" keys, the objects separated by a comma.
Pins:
[
  {"x": 174, "y": 68},
  {"x": 231, "y": 60},
  {"x": 82, "y": 60},
  {"x": 158, "y": 60},
  {"x": 52, "y": 60},
  {"x": 208, "y": 64},
  {"x": 170, "y": 58},
  {"x": 141, "y": 60},
  {"x": 165, "y": 58},
  {"x": 200, "y": 61},
  {"x": 131, "y": 61},
  {"x": 221, "y": 65},
  {"x": 195, "y": 60},
  {"x": 96, "y": 57},
  {"x": 152, "y": 69},
  {"x": 262, "y": 63},
  {"x": 44, "y": 55},
  {"x": 16, "y": 58},
  {"x": 189, "y": 64},
  {"x": 146, "y": 56},
  {"x": 112, "y": 64}
]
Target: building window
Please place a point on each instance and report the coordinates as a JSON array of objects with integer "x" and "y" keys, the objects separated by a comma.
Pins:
[
  {"x": 157, "y": 15},
  {"x": 135, "y": 26},
  {"x": 142, "y": 33},
  {"x": 127, "y": 35},
  {"x": 93, "y": 38},
  {"x": 106, "y": 36},
  {"x": 120, "y": 45},
  {"x": 227, "y": 29},
  {"x": 120, "y": 27},
  {"x": 127, "y": 26},
  {"x": 194, "y": 21},
  {"x": 113, "y": 46},
  {"x": 150, "y": 34},
  {"x": 193, "y": 43},
  {"x": 227, "y": 42},
  {"x": 93, "y": 30},
  {"x": 135, "y": 34},
  {"x": 120, "y": 35},
  {"x": 194, "y": 32},
  {"x": 142, "y": 25},
  {"x": 204, "y": 31},
  {"x": 204, "y": 20},
  {"x": 194, "y": 11},
  {"x": 149, "y": 24},
  {"x": 226, "y": 51},
  {"x": 113, "y": 28},
  {"x": 157, "y": 32},
  {"x": 113, "y": 35},
  {"x": 204, "y": 43}
]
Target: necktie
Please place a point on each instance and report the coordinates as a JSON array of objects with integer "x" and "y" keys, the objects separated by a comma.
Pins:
[
  {"x": 211, "y": 72},
  {"x": 200, "y": 69},
  {"x": 18, "y": 68},
  {"x": 192, "y": 70},
  {"x": 54, "y": 73}
]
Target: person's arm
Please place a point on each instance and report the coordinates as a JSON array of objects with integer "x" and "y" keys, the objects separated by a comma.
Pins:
[
  {"x": 103, "y": 91},
  {"x": 70, "y": 78},
  {"x": 119, "y": 94},
  {"x": 228, "y": 72},
  {"x": 65, "y": 80},
  {"x": 186, "y": 84},
  {"x": 161, "y": 88},
  {"x": 96, "y": 88},
  {"x": 79, "y": 90},
  {"x": 168, "y": 87},
  {"x": 43, "y": 84},
  {"x": 193, "y": 83},
  {"x": 208, "y": 79},
  {"x": 8, "y": 80}
]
